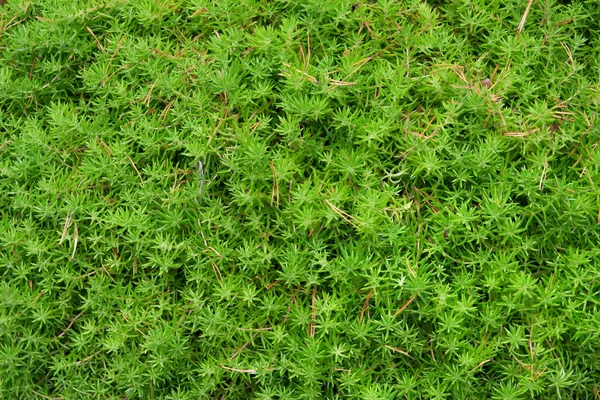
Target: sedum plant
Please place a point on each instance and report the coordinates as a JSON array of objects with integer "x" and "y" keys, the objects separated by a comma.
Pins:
[{"x": 296, "y": 200}]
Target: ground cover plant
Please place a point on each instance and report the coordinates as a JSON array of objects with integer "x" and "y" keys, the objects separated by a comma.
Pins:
[{"x": 299, "y": 199}]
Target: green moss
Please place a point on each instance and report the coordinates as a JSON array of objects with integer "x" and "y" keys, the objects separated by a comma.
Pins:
[{"x": 314, "y": 199}]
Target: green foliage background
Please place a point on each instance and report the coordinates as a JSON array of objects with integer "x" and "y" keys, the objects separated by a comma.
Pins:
[{"x": 299, "y": 199}]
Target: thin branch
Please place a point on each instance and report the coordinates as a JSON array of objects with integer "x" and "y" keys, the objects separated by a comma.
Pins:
[
  {"x": 111, "y": 59},
  {"x": 396, "y": 350},
  {"x": 480, "y": 364},
  {"x": 313, "y": 316},
  {"x": 100, "y": 47},
  {"x": 71, "y": 324},
  {"x": 522, "y": 23},
  {"x": 88, "y": 358},
  {"x": 406, "y": 304},
  {"x": 247, "y": 371},
  {"x": 76, "y": 240},
  {"x": 65, "y": 228},
  {"x": 136, "y": 170},
  {"x": 365, "y": 305},
  {"x": 347, "y": 217}
]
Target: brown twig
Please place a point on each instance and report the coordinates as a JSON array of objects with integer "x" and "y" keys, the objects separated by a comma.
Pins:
[
  {"x": 65, "y": 228},
  {"x": 76, "y": 240},
  {"x": 311, "y": 325},
  {"x": 71, "y": 324},
  {"x": 522, "y": 23},
  {"x": 427, "y": 127},
  {"x": 365, "y": 305},
  {"x": 221, "y": 120},
  {"x": 519, "y": 134},
  {"x": 234, "y": 355},
  {"x": 247, "y": 371},
  {"x": 112, "y": 57},
  {"x": 206, "y": 243},
  {"x": 406, "y": 304},
  {"x": 217, "y": 272},
  {"x": 480, "y": 364},
  {"x": 136, "y": 170},
  {"x": 543, "y": 177},
  {"x": 347, "y": 217},
  {"x": 255, "y": 329},
  {"x": 569, "y": 54},
  {"x": 100, "y": 47},
  {"x": 275, "y": 191},
  {"x": 88, "y": 358},
  {"x": 397, "y": 350}
]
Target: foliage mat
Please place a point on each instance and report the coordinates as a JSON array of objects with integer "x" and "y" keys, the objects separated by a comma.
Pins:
[{"x": 279, "y": 199}]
